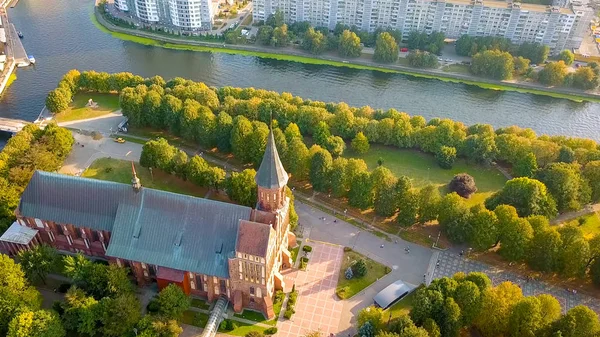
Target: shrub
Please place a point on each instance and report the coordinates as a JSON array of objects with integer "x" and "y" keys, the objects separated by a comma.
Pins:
[
  {"x": 360, "y": 268},
  {"x": 271, "y": 331},
  {"x": 227, "y": 325},
  {"x": 288, "y": 313},
  {"x": 63, "y": 287},
  {"x": 445, "y": 157},
  {"x": 279, "y": 296},
  {"x": 293, "y": 298},
  {"x": 153, "y": 306},
  {"x": 463, "y": 184},
  {"x": 307, "y": 249},
  {"x": 57, "y": 306},
  {"x": 303, "y": 262},
  {"x": 255, "y": 334},
  {"x": 108, "y": 170},
  {"x": 347, "y": 249},
  {"x": 341, "y": 293},
  {"x": 349, "y": 274}
]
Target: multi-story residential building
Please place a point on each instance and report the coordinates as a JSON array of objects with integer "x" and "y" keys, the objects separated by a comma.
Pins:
[
  {"x": 208, "y": 248},
  {"x": 556, "y": 26},
  {"x": 183, "y": 15}
]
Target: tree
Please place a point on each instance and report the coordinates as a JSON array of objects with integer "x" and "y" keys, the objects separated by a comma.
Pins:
[
  {"x": 38, "y": 262},
  {"x": 321, "y": 133},
  {"x": 320, "y": 167},
  {"x": 280, "y": 36},
  {"x": 241, "y": 187},
  {"x": 585, "y": 78},
  {"x": 298, "y": 164},
  {"x": 515, "y": 236},
  {"x": 360, "y": 143},
  {"x": 463, "y": 184},
  {"x": 257, "y": 142},
  {"x": 567, "y": 186},
  {"x": 580, "y": 321},
  {"x": 427, "y": 303},
  {"x": 408, "y": 208},
  {"x": 386, "y": 48},
  {"x": 553, "y": 74},
  {"x": 526, "y": 166},
  {"x": 521, "y": 65},
  {"x": 591, "y": 172},
  {"x": 451, "y": 318},
  {"x": 119, "y": 315},
  {"x": 240, "y": 134},
  {"x": 534, "y": 51},
  {"x": 468, "y": 297},
  {"x": 349, "y": 45},
  {"x": 159, "y": 154},
  {"x": 58, "y": 100},
  {"x": 549, "y": 308},
  {"x": 366, "y": 330},
  {"x": 41, "y": 323},
  {"x": 150, "y": 326},
  {"x": 453, "y": 217},
  {"x": 422, "y": 59},
  {"x": 496, "y": 307},
  {"x": 483, "y": 229},
  {"x": 361, "y": 191},
  {"x": 372, "y": 315},
  {"x": 264, "y": 35},
  {"x": 428, "y": 200},
  {"x": 575, "y": 251},
  {"x": 526, "y": 318},
  {"x": 223, "y": 132},
  {"x": 493, "y": 63},
  {"x": 528, "y": 196},
  {"x": 384, "y": 187},
  {"x": 545, "y": 250},
  {"x": 445, "y": 157},
  {"x": 79, "y": 311},
  {"x": 276, "y": 19},
  {"x": 567, "y": 57},
  {"x": 172, "y": 302},
  {"x": 314, "y": 41}
]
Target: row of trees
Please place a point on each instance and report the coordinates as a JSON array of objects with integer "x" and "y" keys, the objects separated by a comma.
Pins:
[
  {"x": 450, "y": 307},
  {"x": 468, "y": 45},
  {"x": 29, "y": 150},
  {"x": 101, "y": 300},
  {"x": 240, "y": 186}
]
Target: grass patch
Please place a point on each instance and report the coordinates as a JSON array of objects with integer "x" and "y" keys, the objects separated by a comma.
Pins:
[
  {"x": 118, "y": 170},
  {"x": 294, "y": 251},
  {"x": 242, "y": 329},
  {"x": 348, "y": 288},
  {"x": 11, "y": 79},
  {"x": 457, "y": 68},
  {"x": 402, "y": 307},
  {"x": 590, "y": 226},
  {"x": 77, "y": 110},
  {"x": 200, "y": 303},
  {"x": 256, "y": 316},
  {"x": 194, "y": 318}
]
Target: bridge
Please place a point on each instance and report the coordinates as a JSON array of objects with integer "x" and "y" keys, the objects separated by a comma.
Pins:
[{"x": 12, "y": 125}]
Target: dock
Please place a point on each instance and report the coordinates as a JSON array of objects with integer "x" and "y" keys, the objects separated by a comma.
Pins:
[
  {"x": 12, "y": 125},
  {"x": 18, "y": 51}
]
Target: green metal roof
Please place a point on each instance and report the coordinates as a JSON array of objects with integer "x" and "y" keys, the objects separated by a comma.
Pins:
[
  {"x": 271, "y": 173},
  {"x": 151, "y": 226}
]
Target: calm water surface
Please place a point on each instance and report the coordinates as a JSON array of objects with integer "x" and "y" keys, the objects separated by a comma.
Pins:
[{"x": 60, "y": 35}]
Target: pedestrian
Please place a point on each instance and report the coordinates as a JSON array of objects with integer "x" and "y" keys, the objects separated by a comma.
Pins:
[
  {"x": 381, "y": 246},
  {"x": 408, "y": 251},
  {"x": 395, "y": 241},
  {"x": 334, "y": 220}
]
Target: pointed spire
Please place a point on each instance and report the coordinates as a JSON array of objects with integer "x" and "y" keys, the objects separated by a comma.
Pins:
[
  {"x": 271, "y": 173},
  {"x": 135, "y": 181}
]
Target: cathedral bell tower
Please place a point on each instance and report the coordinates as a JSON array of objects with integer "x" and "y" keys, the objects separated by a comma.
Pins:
[{"x": 271, "y": 179}]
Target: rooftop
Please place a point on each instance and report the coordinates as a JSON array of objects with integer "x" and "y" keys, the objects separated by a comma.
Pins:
[
  {"x": 253, "y": 238},
  {"x": 18, "y": 234},
  {"x": 271, "y": 173}
]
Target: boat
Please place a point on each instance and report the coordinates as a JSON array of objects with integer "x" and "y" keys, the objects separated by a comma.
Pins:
[
  {"x": 31, "y": 59},
  {"x": 20, "y": 34}
]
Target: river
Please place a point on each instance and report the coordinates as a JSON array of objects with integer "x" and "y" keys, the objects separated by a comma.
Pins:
[{"x": 60, "y": 35}]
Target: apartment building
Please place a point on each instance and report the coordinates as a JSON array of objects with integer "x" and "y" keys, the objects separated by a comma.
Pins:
[
  {"x": 183, "y": 15},
  {"x": 555, "y": 26}
]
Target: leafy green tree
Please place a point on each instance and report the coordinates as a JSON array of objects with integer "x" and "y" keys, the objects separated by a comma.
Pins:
[
  {"x": 526, "y": 166},
  {"x": 454, "y": 217},
  {"x": 280, "y": 37},
  {"x": 428, "y": 200},
  {"x": 445, "y": 157},
  {"x": 575, "y": 251},
  {"x": 150, "y": 326},
  {"x": 432, "y": 328},
  {"x": 567, "y": 186},
  {"x": 494, "y": 64},
  {"x": 58, "y": 100},
  {"x": 298, "y": 164},
  {"x": 224, "y": 124},
  {"x": 553, "y": 74},
  {"x": 360, "y": 143},
  {"x": 591, "y": 172},
  {"x": 451, "y": 318},
  {"x": 320, "y": 168},
  {"x": 526, "y": 318},
  {"x": 481, "y": 280},
  {"x": 256, "y": 142},
  {"x": 196, "y": 171},
  {"x": 496, "y": 307},
  {"x": 566, "y": 155},
  {"x": 314, "y": 41},
  {"x": 521, "y": 65},
  {"x": 463, "y": 184},
  {"x": 241, "y": 131},
  {"x": 292, "y": 131},
  {"x": 545, "y": 250},
  {"x": 361, "y": 191},
  {"x": 171, "y": 109},
  {"x": 585, "y": 78},
  {"x": 422, "y": 59},
  {"x": 159, "y": 154},
  {"x": 528, "y": 196},
  {"x": 468, "y": 297},
  {"x": 338, "y": 176},
  {"x": 152, "y": 110},
  {"x": 483, "y": 229},
  {"x": 579, "y": 321},
  {"x": 206, "y": 127},
  {"x": 533, "y": 51},
  {"x": 366, "y": 330},
  {"x": 264, "y": 35},
  {"x": 241, "y": 187},
  {"x": 386, "y": 48},
  {"x": 567, "y": 57},
  {"x": 372, "y": 315},
  {"x": 408, "y": 209},
  {"x": 41, "y": 323},
  {"x": 384, "y": 187},
  {"x": 38, "y": 262},
  {"x": 276, "y": 19},
  {"x": 349, "y": 45},
  {"x": 550, "y": 309},
  {"x": 80, "y": 311},
  {"x": 119, "y": 315},
  {"x": 172, "y": 302},
  {"x": 321, "y": 133},
  {"x": 427, "y": 303},
  {"x": 515, "y": 237}
]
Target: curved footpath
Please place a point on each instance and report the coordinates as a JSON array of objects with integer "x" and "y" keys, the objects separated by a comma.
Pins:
[{"x": 290, "y": 55}]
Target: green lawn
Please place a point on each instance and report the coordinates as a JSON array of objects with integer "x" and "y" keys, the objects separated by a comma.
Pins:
[
  {"x": 348, "y": 288},
  {"x": 457, "y": 68},
  {"x": 294, "y": 251},
  {"x": 78, "y": 110},
  {"x": 243, "y": 329},
  {"x": 120, "y": 171},
  {"x": 422, "y": 168},
  {"x": 195, "y": 318},
  {"x": 402, "y": 307},
  {"x": 200, "y": 303},
  {"x": 591, "y": 226},
  {"x": 256, "y": 316}
]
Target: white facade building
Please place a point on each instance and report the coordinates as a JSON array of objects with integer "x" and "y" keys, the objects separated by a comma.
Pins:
[
  {"x": 184, "y": 15},
  {"x": 558, "y": 27}
]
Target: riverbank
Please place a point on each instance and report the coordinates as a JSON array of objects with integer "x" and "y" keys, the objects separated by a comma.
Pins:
[{"x": 151, "y": 39}]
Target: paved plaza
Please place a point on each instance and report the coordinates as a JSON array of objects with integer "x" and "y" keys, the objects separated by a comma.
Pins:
[
  {"x": 451, "y": 263},
  {"x": 318, "y": 307}
]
